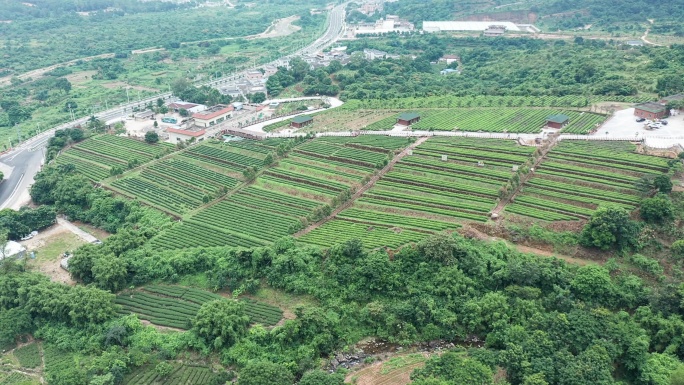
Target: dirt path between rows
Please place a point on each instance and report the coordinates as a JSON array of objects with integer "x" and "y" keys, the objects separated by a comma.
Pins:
[
  {"x": 363, "y": 189},
  {"x": 544, "y": 150}
]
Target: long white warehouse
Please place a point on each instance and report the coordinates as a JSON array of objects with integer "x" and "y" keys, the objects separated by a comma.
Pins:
[{"x": 438, "y": 26}]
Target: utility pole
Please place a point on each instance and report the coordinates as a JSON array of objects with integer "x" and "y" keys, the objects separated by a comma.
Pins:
[{"x": 128, "y": 97}]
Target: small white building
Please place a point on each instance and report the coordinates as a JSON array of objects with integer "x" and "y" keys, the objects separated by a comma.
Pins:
[
  {"x": 449, "y": 59},
  {"x": 12, "y": 249},
  {"x": 372, "y": 54},
  {"x": 212, "y": 116}
]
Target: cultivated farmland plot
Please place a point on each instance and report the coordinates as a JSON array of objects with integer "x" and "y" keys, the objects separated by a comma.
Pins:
[
  {"x": 95, "y": 156},
  {"x": 15, "y": 378},
  {"x": 486, "y": 101},
  {"x": 285, "y": 196},
  {"x": 176, "y": 306},
  {"x": 181, "y": 375},
  {"x": 191, "y": 178},
  {"x": 29, "y": 356},
  {"x": 336, "y": 120},
  {"x": 422, "y": 194},
  {"x": 57, "y": 360},
  {"x": 578, "y": 177},
  {"x": 513, "y": 120}
]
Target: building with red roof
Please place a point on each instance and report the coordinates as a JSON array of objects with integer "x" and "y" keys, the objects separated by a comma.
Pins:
[{"x": 212, "y": 116}]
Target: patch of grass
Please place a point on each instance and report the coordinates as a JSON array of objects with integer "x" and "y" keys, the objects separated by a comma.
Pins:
[
  {"x": 57, "y": 244},
  {"x": 401, "y": 361},
  {"x": 198, "y": 280},
  {"x": 281, "y": 299}
]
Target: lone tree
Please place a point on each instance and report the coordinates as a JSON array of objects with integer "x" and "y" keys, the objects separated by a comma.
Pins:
[
  {"x": 663, "y": 183},
  {"x": 610, "y": 227},
  {"x": 151, "y": 137},
  {"x": 221, "y": 323},
  {"x": 658, "y": 209}
]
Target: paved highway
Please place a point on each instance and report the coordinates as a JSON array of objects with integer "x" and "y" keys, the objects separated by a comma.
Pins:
[{"x": 22, "y": 163}]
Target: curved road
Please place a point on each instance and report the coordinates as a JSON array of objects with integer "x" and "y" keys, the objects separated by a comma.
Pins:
[{"x": 21, "y": 164}]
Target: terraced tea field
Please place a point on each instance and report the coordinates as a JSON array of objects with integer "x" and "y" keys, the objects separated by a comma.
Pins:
[
  {"x": 423, "y": 194},
  {"x": 193, "y": 177},
  {"x": 181, "y": 375},
  {"x": 282, "y": 199},
  {"x": 176, "y": 306},
  {"x": 486, "y": 101},
  {"x": 336, "y": 120},
  {"x": 513, "y": 120},
  {"x": 577, "y": 177},
  {"x": 94, "y": 157}
]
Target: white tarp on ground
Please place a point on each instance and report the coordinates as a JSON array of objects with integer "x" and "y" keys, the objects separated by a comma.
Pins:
[
  {"x": 12, "y": 249},
  {"x": 436, "y": 26}
]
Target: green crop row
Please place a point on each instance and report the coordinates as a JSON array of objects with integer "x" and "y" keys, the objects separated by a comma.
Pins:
[
  {"x": 223, "y": 155},
  {"x": 378, "y": 141},
  {"x": 389, "y": 187},
  {"x": 159, "y": 148},
  {"x": 483, "y": 179},
  {"x": 409, "y": 195},
  {"x": 564, "y": 167},
  {"x": 15, "y": 378},
  {"x": 92, "y": 171},
  {"x": 255, "y": 223},
  {"x": 381, "y": 218},
  {"x": 278, "y": 197},
  {"x": 372, "y": 236},
  {"x": 457, "y": 168},
  {"x": 583, "y": 190},
  {"x": 553, "y": 205},
  {"x": 299, "y": 177},
  {"x": 189, "y": 192},
  {"x": 537, "y": 213},
  {"x": 423, "y": 208},
  {"x": 155, "y": 195},
  {"x": 94, "y": 157},
  {"x": 335, "y": 163},
  {"x": 114, "y": 151},
  {"x": 450, "y": 186},
  {"x": 192, "y": 234},
  {"x": 487, "y": 101},
  {"x": 181, "y": 375},
  {"x": 572, "y": 196}
]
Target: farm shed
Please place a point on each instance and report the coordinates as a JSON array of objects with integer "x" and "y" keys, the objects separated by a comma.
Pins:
[
  {"x": 650, "y": 110},
  {"x": 144, "y": 115},
  {"x": 557, "y": 121},
  {"x": 301, "y": 121},
  {"x": 408, "y": 118}
]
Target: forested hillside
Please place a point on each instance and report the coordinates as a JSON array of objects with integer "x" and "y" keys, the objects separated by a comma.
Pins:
[
  {"x": 563, "y": 14},
  {"x": 31, "y": 41}
]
